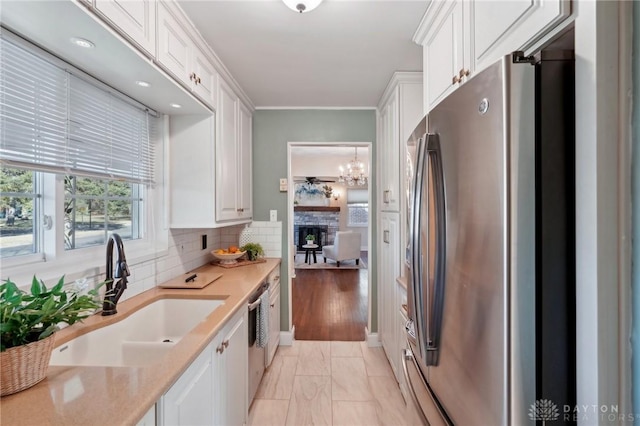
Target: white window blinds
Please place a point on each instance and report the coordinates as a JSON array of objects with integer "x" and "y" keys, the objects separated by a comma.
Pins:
[{"x": 51, "y": 120}]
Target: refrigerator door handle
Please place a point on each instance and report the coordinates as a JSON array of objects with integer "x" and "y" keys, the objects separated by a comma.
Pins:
[
  {"x": 415, "y": 291},
  {"x": 407, "y": 355},
  {"x": 436, "y": 302}
]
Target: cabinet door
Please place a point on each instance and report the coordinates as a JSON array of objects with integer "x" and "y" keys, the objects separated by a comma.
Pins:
[
  {"x": 191, "y": 171},
  {"x": 274, "y": 324},
  {"x": 392, "y": 159},
  {"x": 174, "y": 46},
  {"x": 189, "y": 400},
  {"x": 206, "y": 78},
  {"x": 136, "y": 19},
  {"x": 227, "y": 173},
  {"x": 383, "y": 154},
  {"x": 501, "y": 27},
  {"x": 245, "y": 167},
  {"x": 389, "y": 270},
  {"x": 232, "y": 369},
  {"x": 443, "y": 53}
]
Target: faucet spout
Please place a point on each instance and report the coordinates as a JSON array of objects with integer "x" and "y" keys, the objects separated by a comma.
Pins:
[{"x": 114, "y": 292}]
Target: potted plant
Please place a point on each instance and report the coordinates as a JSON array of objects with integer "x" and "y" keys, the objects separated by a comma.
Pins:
[
  {"x": 310, "y": 239},
  {"x": 28, "y": 321},
  {"x": 254, "y": 250}
]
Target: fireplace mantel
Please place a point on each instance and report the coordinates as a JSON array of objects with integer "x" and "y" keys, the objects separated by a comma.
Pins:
[{"x": 315, "y": 209}]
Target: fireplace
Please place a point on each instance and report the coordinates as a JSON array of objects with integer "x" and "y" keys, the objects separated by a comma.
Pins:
[{"x": 320, "y": 232}]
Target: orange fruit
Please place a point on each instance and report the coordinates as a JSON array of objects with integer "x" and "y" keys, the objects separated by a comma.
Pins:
[{"x": 233, "y": 249}]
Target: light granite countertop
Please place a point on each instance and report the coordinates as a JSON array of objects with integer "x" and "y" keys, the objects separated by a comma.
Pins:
[{"x": 123, "y": 395}]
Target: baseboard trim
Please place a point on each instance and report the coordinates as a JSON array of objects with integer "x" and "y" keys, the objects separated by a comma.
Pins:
[
  {"x": 372, "y": 339},
  {"x": 287, "y": 337}
]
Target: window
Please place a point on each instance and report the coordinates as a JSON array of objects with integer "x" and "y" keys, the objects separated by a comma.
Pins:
[
  {"x": 77, "y": 156},
  {"x": 357, "y": 207},
  {"x": 94, "y": 207},
  {"x": 19, "y": 204}
]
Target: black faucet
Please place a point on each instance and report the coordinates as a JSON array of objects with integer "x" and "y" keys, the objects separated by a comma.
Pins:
[{"x": 113, "y": 293}]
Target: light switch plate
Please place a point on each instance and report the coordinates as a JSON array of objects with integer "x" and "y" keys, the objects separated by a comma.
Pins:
[
  {"x": 273, "y": 215},
  {"x": 283, "y": 185}
]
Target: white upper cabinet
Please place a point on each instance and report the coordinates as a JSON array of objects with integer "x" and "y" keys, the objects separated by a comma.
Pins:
[
  {"x": 501, "y": 27},
  {"x": 460, "y": 37},
  {"x": 179, "y": 55},
  {"x": 135, "y": 19},
  {"x": 192, "y": 166},
  {"x": 400, "y": 110},
  {"x": 233, "y": 157},
  {"x": 446, "y": 50}
]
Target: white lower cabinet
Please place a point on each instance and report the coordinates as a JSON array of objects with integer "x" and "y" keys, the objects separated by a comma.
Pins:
[
  {"x": 274, "y": 321},
  {"x": 214, "y": 389},
  {"x": 190, "y": 400},
  {"x": 231, "y": 364},
  {"x": 388, "y": 270}
]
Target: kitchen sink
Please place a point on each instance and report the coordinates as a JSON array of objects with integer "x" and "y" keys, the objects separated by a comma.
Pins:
[{"x": 140, "y": 339}]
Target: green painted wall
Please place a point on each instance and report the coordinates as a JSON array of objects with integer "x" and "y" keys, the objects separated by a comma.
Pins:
[{"x": 272, "y": 130}]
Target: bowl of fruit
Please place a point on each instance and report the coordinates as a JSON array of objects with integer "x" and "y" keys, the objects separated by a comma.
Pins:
[{"x": 228, "y": 256}]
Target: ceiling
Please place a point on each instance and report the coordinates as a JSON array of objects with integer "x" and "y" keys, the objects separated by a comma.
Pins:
[{"x": 341, "y": 54}]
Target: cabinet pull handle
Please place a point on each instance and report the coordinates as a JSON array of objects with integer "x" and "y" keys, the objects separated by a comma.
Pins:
[
  {"x": 225, "y": 343},
  {"x": 385, "y": 236},
  {"x": 455, "y": 80},
  {"x": 385, "y": 196},
  {"x": 220, "y": 349},
  {"x": 273, "y": 305}
]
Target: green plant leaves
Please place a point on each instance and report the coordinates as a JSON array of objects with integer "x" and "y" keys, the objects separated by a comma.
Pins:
[{"x": 28, "y": 317}]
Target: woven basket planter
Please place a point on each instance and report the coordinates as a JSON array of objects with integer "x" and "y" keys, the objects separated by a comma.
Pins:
[{"x": 23, "y": 366}]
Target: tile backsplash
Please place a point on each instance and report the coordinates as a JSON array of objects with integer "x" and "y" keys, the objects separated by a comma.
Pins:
[{"x": 185, "y": 252}]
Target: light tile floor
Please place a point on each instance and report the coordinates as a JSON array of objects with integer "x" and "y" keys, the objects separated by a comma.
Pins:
[{"x": 330, "y": 383}]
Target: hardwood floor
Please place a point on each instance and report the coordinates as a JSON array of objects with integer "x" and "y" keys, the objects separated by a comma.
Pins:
[{"x": 330, "y": 304}]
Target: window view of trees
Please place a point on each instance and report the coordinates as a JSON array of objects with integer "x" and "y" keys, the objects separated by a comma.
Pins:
[
  {"x": 92, "y": 208},
  {"x": 95, "y": 207},
  {"x": 17, "y": 202}
]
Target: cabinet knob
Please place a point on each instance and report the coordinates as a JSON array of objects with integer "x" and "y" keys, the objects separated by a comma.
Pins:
[
  {"x": 385, "y": 196},
  {"x": 240, "y": 210},
  {"x": 225, "y": 343},
  {"x": 455, "y": 80},
  {"x": 198, "y": 81},
  {"x": 463, "y": 73},
  {"x": 272, "y": 305},
  {"x": 220, "y": 349},
  {"x": 192, "y": 76},
  {"x": 385, "y": 236}
]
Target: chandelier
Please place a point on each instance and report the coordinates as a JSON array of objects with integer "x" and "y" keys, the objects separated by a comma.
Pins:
[{"x": 353, "y": 173}]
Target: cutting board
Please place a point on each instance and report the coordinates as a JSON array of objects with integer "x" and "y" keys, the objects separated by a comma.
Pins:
[{"x": 201, "y": 280}]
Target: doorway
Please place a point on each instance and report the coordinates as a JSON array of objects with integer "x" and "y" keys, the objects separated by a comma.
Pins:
[{"x": 329, "y": 300}]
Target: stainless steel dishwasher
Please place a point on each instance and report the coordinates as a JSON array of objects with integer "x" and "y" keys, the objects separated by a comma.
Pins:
[{"x": 256, "y": 353}]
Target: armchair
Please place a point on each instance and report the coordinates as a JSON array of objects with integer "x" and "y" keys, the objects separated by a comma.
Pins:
[{"x": 346, "y": 246}]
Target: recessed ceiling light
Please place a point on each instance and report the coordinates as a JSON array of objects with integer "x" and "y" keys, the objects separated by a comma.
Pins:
[
  {"x": 82, "y": 42},
  {"x": 175, "y": 105},
  {"x": 143, "y": 83}
]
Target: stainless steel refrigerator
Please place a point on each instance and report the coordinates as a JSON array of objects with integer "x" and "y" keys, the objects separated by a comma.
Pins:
[{"x": 488, "y": 181}]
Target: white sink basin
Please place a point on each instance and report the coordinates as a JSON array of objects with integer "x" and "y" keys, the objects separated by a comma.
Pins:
[{"x": 140, "y": 339}]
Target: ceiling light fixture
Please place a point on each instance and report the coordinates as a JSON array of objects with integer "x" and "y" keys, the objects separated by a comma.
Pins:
[
  {"x": 175, "y": 105},
  {"x": 354, "y": 173},
  {"x": 302, "y": 5},
  {"x": 82, "y": 42},
  {"x": 142, "y": 83}
]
